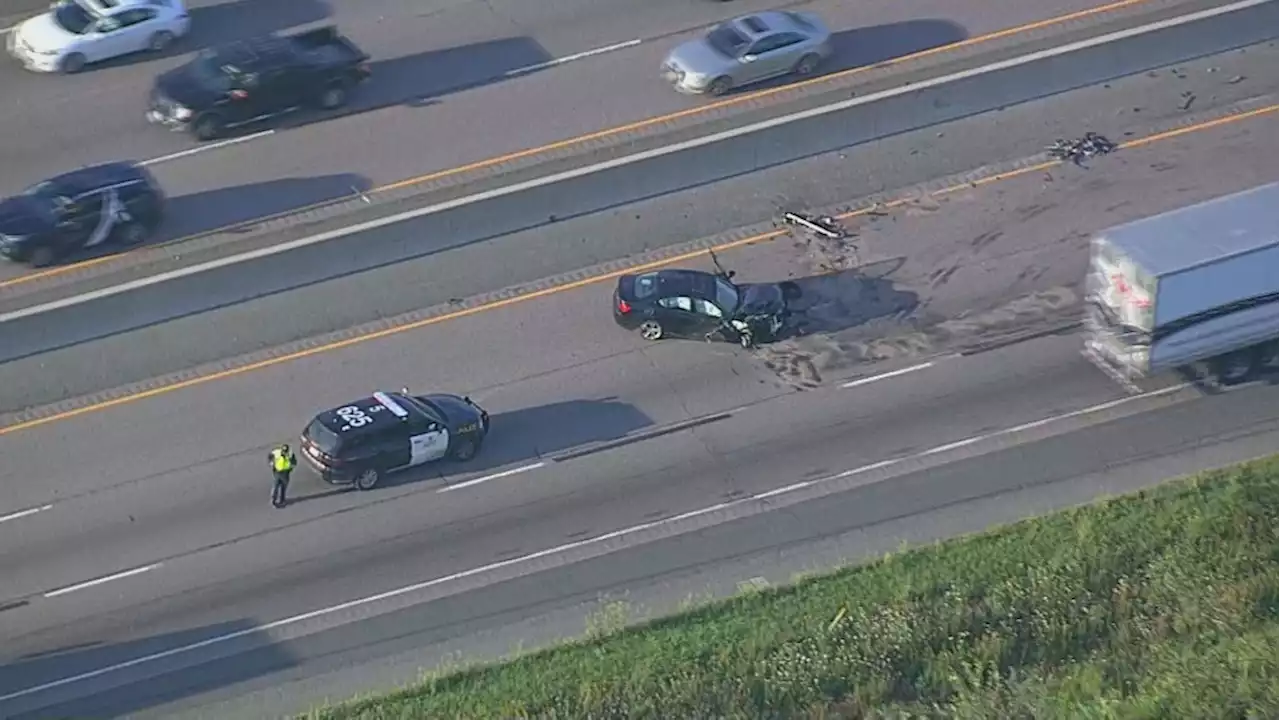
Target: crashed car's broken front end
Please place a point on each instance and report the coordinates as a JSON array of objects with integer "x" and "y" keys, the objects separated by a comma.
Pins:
[{"x": 761, "y": 315}]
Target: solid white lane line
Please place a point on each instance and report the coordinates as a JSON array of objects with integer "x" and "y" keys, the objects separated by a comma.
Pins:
[
  {"x": 884, "y": 376},
  {"x": 205, "y": 148},
  {"x": 570, "y": 58},
  {"x": 24, "y": 513},
  {"x": 559, "y": 549},
  {"x": 625, "y": 160},
  {"x": 100, "y": 581},
  {"x": 495, "y": 476}
]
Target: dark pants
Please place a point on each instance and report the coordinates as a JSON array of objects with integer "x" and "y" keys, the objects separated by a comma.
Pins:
[{"x": 282, "y": 485}]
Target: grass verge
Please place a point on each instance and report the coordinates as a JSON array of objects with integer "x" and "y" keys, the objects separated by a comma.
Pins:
[{"x": 1161, "y": 604}]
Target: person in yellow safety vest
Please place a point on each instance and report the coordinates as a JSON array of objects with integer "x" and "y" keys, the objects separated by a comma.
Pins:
[{"x": 282, "y": 462}]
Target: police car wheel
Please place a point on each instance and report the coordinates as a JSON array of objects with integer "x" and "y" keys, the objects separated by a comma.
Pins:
[
  {"x": 465, "y": 449},
  {"x": 367, "y": 480}
]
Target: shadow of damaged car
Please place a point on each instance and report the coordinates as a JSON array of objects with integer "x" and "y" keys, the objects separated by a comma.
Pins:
[
  {"x": 693, "y": 303},
  {"x": 359, "y": 443}
]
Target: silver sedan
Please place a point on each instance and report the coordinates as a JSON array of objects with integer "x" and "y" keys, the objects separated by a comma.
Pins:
[{"x": 749, "y": 49}]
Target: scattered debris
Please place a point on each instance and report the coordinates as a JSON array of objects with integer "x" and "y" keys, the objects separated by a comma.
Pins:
[
  {"x": 821, "y": 225},
  {"x": 1236, "y": 79},
  {"x": 1187, "y": 99},
  {"x": 1090, "y": 145}
]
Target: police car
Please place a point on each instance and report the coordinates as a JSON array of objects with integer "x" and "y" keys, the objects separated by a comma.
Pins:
[{"x": 359, "y": 443}]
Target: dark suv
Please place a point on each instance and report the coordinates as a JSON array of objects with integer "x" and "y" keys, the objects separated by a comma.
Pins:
[
  {"x": 113, "y": 203},
  {"x": 362, "y": 441}
]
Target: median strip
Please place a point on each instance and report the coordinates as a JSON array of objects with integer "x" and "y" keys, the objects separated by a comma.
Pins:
[{"x": 226, "y": 369}]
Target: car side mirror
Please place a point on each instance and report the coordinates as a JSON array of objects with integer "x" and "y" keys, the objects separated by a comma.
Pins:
[{"x": 730, "y": 274}]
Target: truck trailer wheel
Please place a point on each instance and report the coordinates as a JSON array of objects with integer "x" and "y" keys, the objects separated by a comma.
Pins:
[{"x": 1237, "y": 367}]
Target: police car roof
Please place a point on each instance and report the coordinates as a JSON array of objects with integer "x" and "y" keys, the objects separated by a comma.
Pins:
[{"x": 381, "y": 409}]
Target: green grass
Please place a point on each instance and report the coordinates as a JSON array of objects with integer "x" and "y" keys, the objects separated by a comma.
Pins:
[{"x": 1156, "y": 605}]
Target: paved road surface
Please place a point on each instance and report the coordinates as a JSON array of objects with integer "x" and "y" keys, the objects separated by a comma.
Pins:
[
  {"x": 440, "y": 99},
  {"x": 434, "y": 259},
  {"x": 178, "y": 486}
]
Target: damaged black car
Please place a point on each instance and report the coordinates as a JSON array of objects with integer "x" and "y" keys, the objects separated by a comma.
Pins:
[{"x": 696, "y": 304}]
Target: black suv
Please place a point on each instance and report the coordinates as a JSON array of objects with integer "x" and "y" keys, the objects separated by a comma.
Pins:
[
  {"x": 360, "y": 442},
  {"x": 113, "y": 203},
  {"x": 254, "y": 80},
  {"x": 692, "y": 303}
]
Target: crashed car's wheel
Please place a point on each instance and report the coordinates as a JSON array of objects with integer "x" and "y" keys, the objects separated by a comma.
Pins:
[
  {"x": 334, "y": 97},
  {"x": 160, "y": 41},
  {"x": 651, "y": 330},
  {"x": 746, "y": 340},
  {"x": 367, "y": 480}
]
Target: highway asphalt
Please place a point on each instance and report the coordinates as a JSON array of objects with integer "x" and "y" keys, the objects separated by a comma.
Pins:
[
  {"x": 172, "y": 490},
  {"x": 440, "y": 98},
  {"x": 407, "y": 274},
  {"x": 322, "y": 160}
]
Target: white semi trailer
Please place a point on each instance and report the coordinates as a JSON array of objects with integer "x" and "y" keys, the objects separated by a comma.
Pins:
[{"x": 1190, "y": 289}]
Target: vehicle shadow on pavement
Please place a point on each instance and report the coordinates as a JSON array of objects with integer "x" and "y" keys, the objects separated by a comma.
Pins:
[
  {"x": 843, "y": 299},
  {"x": 228, "y": 21},
  {"x": 874, "y": 44},
  {"x": 152, "y": 687},
  {"x": 539, "y": 432},
  {"x": 188, "y": 215},
  {"x": 420, "y": 80}
]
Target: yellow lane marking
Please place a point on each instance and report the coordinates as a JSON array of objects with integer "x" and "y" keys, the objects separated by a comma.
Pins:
[
  {"x": 565, "y": 287},
  {"x": 613, "y": 131}
]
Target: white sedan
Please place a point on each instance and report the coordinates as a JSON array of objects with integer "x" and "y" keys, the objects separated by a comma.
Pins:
[{"x": 75, "y": 33}]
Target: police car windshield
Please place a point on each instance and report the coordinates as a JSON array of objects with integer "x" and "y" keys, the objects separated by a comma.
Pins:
[{"x": 325, "y": 439}]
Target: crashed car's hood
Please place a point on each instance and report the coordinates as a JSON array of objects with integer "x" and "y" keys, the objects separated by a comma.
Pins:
[{"x": 764, "y": 299}]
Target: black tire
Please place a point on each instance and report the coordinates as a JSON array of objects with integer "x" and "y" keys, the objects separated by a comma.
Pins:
[
  {"x": 465, "y": 450},
  {"x": 746, "y": 339},
  {"x": 132, "y": 233},
  {"x": 333, "y": 97},
  {"x": 367, "y": 480},
  {"x": 807, "y": 65},
  {"x": 652, "y": 330},
  {"x": 720, "y": 86},
  {"x": 43, "y": 256},
  {"x": 73, "y": 63},
  {"x": 207, "y": 127},
  {"x": 160, "y": 41},
  {"x": 1237, "y": 367}
]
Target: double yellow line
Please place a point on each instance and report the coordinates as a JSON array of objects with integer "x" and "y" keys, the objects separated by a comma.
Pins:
[
  {"x": 616, "y": 131},
  {"x": 565, "y": 287}
]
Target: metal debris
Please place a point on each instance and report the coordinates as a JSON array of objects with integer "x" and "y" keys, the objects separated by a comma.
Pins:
[
  {"x": 1236, "y": 79},
  {"x": 1092, "y": 144},
  {"x": 821, "y": 225},
  {"x": 1187, "y": 99}
]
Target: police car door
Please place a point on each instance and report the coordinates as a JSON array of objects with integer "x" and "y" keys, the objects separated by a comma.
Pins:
[{"x": 429, "y": 442}]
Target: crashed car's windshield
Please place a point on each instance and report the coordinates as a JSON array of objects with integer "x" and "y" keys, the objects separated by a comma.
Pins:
[{"x": 727, "y": 296}]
